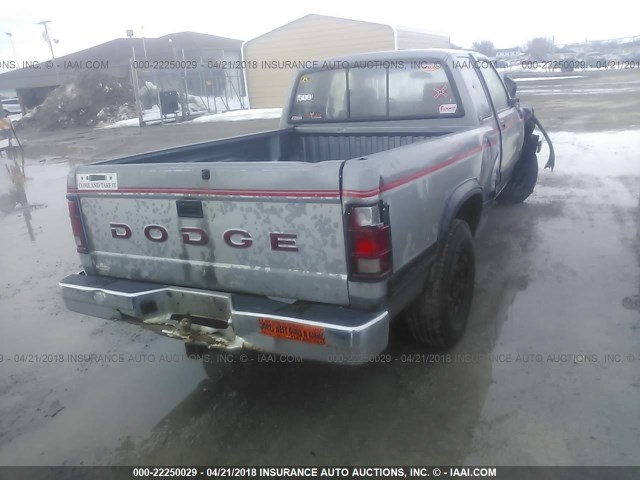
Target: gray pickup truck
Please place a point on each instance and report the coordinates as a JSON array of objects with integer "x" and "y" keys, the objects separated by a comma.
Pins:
[{"x": 308, "y": 240}]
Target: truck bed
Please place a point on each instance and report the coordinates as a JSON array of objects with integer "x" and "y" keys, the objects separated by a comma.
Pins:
[
  {"x": 136, "y": 228},
  {"x": 283, "y": 145}
]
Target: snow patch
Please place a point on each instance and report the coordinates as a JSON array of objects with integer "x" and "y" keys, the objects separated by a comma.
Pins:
[
  {"x": 234, "y": 116},
  {"x": 535, "y": 79},
  {"x": 240, "y": 115}
]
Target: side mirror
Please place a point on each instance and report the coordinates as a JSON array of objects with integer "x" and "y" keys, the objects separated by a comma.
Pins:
[{"x": 511, "y": 86}]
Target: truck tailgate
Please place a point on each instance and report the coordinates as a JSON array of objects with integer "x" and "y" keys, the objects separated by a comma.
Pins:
[{"x": 267, "y": 228}]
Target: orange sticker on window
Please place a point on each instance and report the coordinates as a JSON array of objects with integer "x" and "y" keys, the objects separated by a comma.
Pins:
[{"x": 292, "y": 331}]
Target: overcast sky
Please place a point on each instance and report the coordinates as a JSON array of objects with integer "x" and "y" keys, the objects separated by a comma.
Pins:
[{"x": 81, "y": 25}]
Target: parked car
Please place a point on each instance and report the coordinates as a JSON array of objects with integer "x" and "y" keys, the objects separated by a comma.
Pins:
[
  {"x": 310, "y": 239},
  {"x": 11, "y": 106},
  {"x": 569, "y": 64},
  {"x": 596, "y": 62}
]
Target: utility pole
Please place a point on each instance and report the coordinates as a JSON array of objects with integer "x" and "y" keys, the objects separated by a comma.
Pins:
[
  {"x": 134, "y": 80},
  {"x": 144, "y": 46},
  {"x": 48, "y": 40},
  {"x": 184, "y": 103},
  {"x": 155, "y": 75},
  {"x": 133, "y": 49},
  {"x": 186, "y": 87},
  {"x": 10, "y": 35}
]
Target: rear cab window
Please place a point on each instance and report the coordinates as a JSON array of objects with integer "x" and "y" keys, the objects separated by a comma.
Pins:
[{"x": 397, "y": 90}]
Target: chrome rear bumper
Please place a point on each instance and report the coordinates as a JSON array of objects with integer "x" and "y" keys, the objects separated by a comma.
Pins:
[{"x": 217, "y": 320}]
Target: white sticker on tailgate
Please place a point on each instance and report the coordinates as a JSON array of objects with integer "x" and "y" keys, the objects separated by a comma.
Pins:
[{"x": 97, "y": 181}]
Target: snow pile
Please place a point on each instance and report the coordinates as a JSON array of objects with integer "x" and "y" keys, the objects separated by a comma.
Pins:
[
  {"x": 196, "y": 104},
  {"x": 234, "y": 116},
  {"x": 114, "y": 113},
  {"x": 90, "y": 98},
  {"x": 224, "y": 104},
  {"x": 536, "y": 79},
  {"x": 241, "y": 115},
  {"x": 132, "y": 122}
]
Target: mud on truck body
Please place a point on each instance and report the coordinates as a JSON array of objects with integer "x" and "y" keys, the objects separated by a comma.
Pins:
[{"x": 308, "y": 240}]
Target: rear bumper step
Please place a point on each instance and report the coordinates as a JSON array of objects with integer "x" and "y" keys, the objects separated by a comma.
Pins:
[{"x": 217, "y": 320}]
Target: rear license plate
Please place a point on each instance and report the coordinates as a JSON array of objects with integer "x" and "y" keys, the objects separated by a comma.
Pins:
[{"x": 292, "y": 331}]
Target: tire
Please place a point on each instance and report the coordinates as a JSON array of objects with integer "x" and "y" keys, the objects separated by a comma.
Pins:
[
  {"x": 523, "y": 180},
  {"x": 438, "y": 316},
  {"x": 218, "y": 371},
  {"x": 211, "y": 368}
]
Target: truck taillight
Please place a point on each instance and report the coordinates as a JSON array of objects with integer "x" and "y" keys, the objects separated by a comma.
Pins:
[
  {"x": 369, "y": 243},
  {"x": 76, "y": 225}
]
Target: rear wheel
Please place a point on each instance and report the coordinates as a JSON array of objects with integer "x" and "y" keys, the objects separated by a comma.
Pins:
[
  {"x": 438, "y": 317},
  {"x": 523, "y": 180}
]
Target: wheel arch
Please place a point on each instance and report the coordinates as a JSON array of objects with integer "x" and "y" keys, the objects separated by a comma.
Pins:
[{"x": 464, "y": 203}]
